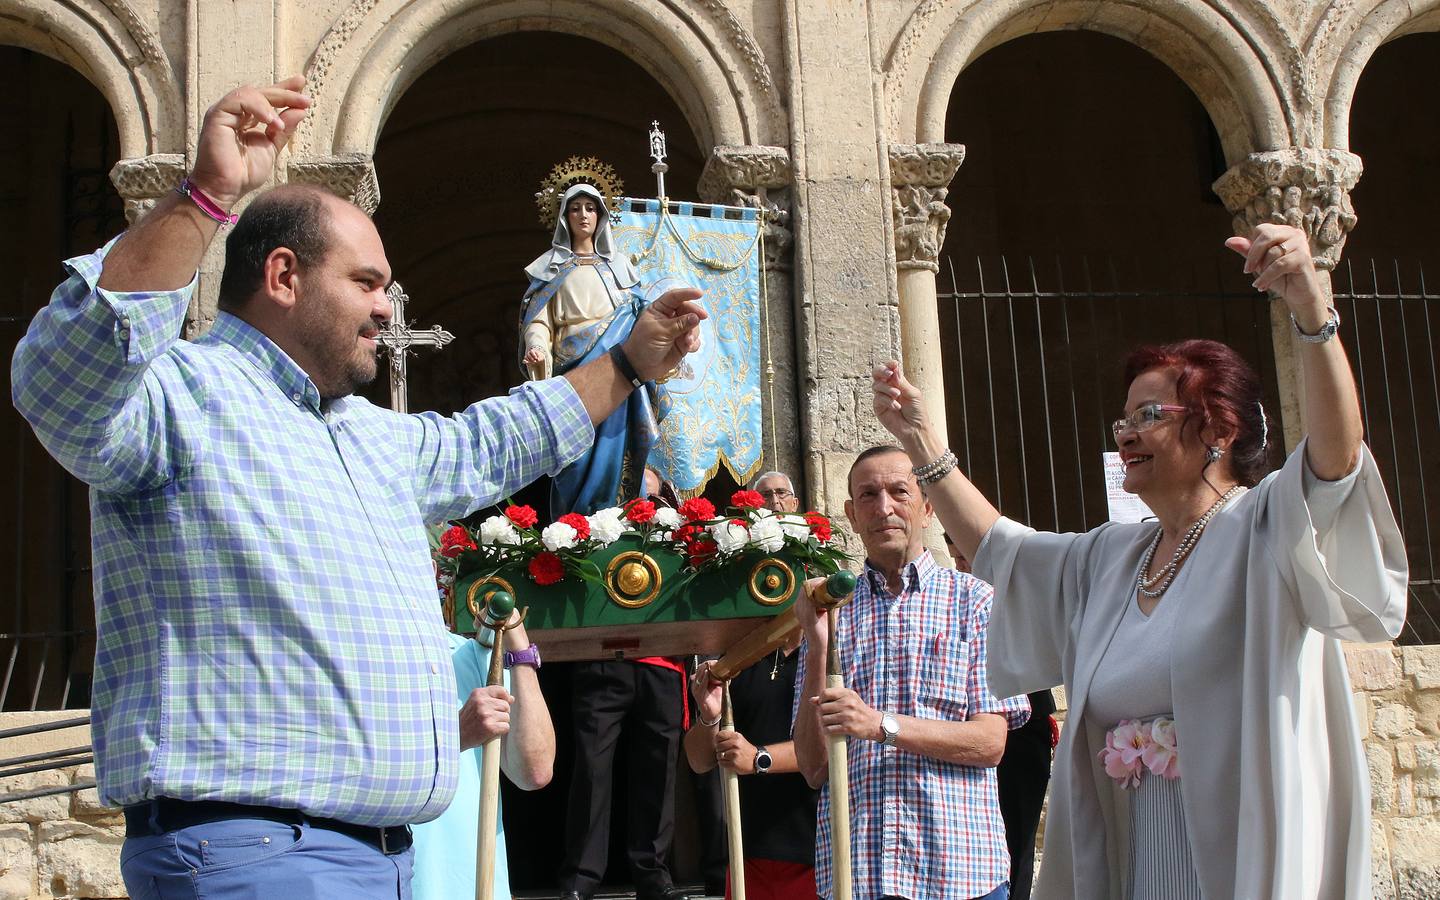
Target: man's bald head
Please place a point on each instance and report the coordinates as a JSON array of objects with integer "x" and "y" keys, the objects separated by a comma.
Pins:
[{"x": 294, "y": 216}]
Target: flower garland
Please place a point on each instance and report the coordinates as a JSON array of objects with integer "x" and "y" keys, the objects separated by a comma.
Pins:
[
  {"x": 1132, "y": 747},
  {"x": 695, "y": 531}
]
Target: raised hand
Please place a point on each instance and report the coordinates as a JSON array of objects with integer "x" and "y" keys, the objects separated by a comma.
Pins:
[
  {"x": 1279, "y": 258},
  {"x": 897, "y": 402},
  {"x": 665, "y": 332},
  {"x": 241, "y": 136}
]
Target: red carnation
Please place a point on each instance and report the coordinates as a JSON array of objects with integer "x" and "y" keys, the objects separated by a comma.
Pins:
[
  {"x": 697, "y": 509},
  {"x": 455, "y": 540},
  {"x": 546, "y": 568},
  {"x": 747, "y": 499},
  {"x": 522, "y": 516},
  {"x": 640, "y": 511},
  {"x": 819, "y": 526},
  {"x": 577, "y": 522},
  {"x": 700, "y": 549}
]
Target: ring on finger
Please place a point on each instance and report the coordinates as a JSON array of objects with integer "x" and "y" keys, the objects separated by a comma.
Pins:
[{"x": 1283, "y": 250}]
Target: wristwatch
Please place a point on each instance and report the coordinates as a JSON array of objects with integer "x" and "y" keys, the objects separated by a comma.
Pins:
[
  {"x": 763, "y": 761},
  {"x": 890, "y": 728},
  {"x": 530, "y": 656},
  {"x": 1326, "y": 332}
]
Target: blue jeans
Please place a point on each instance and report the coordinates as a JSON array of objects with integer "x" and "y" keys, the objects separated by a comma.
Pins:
[{"x": 258, "y": 859}]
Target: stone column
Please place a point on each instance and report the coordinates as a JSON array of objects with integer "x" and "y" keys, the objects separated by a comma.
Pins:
[
  {"x": 920, "y": 176},
  {"x": 1308, "y": 188},
  {"x": 143, "y": 180},
  {"x": 761, "y": 177},
  {"x": 347, "y": 175}
]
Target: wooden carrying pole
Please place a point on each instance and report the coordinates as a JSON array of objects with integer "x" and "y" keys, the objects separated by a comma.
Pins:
[
  {"x": 498, "y": 607},
  {"x": 830, "y": 597},
  {"x": 730, "y": 781}
]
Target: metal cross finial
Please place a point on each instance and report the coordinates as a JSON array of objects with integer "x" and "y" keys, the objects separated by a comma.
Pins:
[
  {"x": 398, "y": 337},
  {"x": 657, "y": 153}
]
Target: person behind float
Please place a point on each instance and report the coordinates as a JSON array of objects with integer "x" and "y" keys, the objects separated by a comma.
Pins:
[
  {"x": 583, "y": 299},
  {"x": 643, "y": 701},
  {"x": 777, "y": 807},
  {"x": 516, "y": 712},
  {"x": 928, "y": 733},
  {"x": 274, "y": 698},
  {"x": 1211, "y": 747}
]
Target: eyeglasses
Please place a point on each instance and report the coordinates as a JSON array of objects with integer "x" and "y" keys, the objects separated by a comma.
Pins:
[
  {"x": 1143, "y": 418},
  {"x": 777, "y": 494}
]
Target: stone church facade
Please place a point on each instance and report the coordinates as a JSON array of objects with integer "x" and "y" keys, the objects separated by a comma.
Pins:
[{"x": 832, "y": 115}]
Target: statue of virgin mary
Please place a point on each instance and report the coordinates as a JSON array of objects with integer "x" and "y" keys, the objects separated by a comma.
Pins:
[{"x": 583, "y": 299}]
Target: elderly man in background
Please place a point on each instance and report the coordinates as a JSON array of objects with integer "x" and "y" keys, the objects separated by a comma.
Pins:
[
  {"x": 778, "y": 491},
  {"x": 927, "y": 734}
]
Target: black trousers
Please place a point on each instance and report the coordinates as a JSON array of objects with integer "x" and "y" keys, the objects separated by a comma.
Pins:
[
  {"x": 646, "y": 702},
  {"x": 1024, "y": 775}
]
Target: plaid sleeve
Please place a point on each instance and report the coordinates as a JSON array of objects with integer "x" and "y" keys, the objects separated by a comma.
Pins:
[
  {"x": 79, "y": 375},
  {"x": 1016, "y": 710},
  {"x": 498, "y": 445}
]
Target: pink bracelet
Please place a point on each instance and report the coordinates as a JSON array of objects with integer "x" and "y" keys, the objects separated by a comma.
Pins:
[{"x": 207, "y": 206}]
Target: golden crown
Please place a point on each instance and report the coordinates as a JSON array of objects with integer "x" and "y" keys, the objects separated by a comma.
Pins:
[{"x": 601, "y": 176}]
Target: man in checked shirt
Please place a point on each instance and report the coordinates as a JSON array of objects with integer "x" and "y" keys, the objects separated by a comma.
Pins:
[
  {"x": 274, "y": 699},
  {"x": 925, "y": 732}
]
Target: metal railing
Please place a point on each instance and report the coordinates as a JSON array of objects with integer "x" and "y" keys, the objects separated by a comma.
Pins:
[
  {"x": 1389, "y": 326},
  {"x": 39, "y": 672},
  {"x": 42, "y": 762},
  {"x": 1033, "y": 354}
]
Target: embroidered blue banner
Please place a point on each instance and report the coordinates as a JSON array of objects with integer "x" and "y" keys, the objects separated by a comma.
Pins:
[{"x": 714, "y": 400}]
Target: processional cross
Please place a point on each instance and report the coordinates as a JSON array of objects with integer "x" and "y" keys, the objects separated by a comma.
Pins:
[{"x": 398, "y": 337}]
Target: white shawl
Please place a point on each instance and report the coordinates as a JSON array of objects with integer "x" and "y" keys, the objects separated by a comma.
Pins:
[{"x": 1277, "y": 801}]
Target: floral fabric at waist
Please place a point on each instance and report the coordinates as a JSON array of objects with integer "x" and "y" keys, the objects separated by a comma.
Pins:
[{"x": 1134, "y": 747}]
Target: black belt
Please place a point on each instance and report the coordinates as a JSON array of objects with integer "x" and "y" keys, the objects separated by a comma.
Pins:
[{"x": 164, "y": 815}]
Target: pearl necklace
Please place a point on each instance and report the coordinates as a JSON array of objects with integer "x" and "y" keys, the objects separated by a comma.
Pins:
[{"x": 1155, "y": 586}]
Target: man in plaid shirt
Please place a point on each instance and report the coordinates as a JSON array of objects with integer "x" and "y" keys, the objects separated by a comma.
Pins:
[
  {"x": 926, "y": 732},
  {"x": 274, "y": 698}
]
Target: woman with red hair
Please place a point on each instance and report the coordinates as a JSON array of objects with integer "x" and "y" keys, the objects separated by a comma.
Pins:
[{"x": 1211, "y": 749}]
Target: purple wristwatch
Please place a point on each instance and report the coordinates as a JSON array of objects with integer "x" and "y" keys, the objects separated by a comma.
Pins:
[{"x": 530, "y": 656}]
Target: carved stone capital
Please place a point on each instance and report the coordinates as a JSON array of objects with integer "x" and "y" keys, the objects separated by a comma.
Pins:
[
  {"x": 1305, "y": 187},
  {"x": 142, "y": 180},
  {"x": 347, "y": 175},
  {"x": 758, "y": 177},
  {"x": 920, "y": 177}
]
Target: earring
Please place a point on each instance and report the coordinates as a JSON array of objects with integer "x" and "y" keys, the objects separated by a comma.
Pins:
[{"x": 1213, "y": 453}]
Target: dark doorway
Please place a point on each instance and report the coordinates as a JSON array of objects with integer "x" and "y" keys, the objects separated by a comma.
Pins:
[{"x": 58, "y": 141}]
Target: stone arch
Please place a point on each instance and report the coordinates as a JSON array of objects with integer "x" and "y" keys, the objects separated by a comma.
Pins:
[
  {"x": 1217, "y": 58},
  {"x": 1369, "y": 28},
  {"x": 377, "y": 48},
  {"x": 111, "y": 46}
]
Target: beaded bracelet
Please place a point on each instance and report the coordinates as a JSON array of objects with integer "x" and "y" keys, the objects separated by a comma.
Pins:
[{"x": 937, "y": 469}]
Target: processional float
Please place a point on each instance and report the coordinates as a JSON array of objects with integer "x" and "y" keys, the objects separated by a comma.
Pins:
[{"x": 635, "y": 581}]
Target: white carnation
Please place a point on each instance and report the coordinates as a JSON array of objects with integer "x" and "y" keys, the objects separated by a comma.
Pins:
[
  {"x": 668, "y": 518},
  {"x": 606, "y": 526},
  {"x": 767, "y": 534},
  {"x": 498, "y": 530},
  {"x": 729, "y": 537},
  {"x": 795, "y": 526},
  {"x": 559, "y": 536}
]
